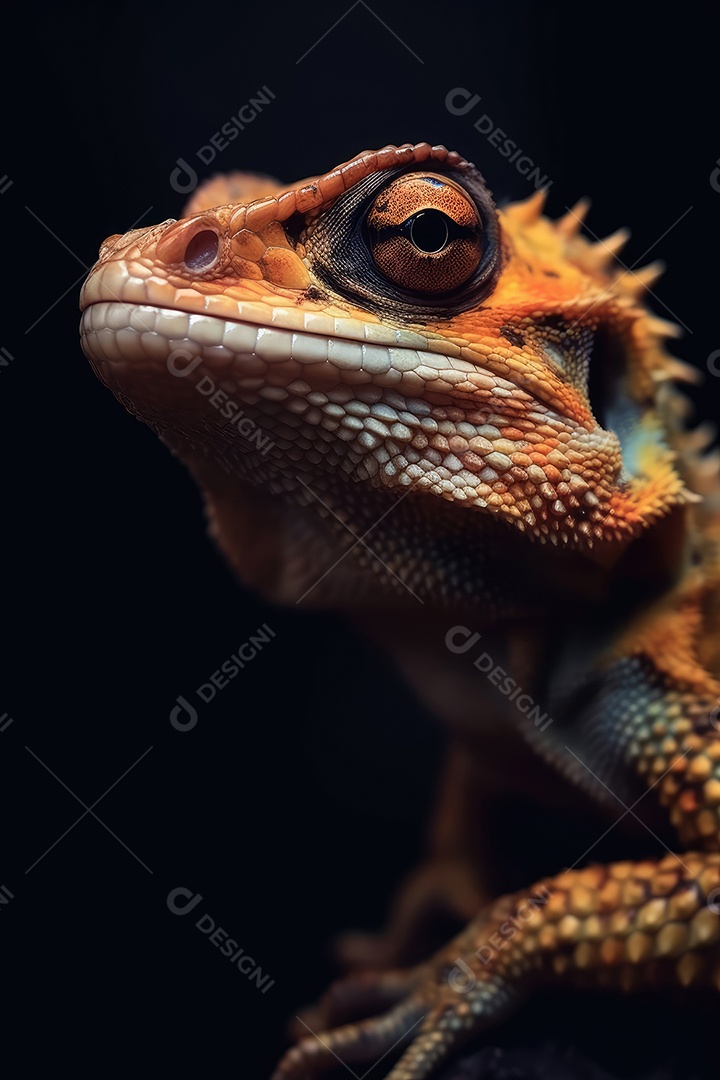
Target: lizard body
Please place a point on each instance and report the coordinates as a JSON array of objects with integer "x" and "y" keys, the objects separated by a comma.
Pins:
[{"x": 440, "y": 416}]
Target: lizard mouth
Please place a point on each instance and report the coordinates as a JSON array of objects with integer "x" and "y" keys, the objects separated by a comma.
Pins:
[
  {"x": 290, "y": 390},
  {"x": 286, "y": 342},
  {"x": 261, "y": 350},
  {"x": 363, "y": 381},
  {"x": 279, "y": 395}
]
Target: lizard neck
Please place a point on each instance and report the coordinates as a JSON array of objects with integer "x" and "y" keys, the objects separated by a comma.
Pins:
[{"x": 326, "y": 542}]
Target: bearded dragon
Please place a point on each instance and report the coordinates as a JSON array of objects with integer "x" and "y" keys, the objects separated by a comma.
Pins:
[{"x": 454, "y": 421}]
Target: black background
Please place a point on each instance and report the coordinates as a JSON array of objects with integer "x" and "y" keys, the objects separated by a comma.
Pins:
[{"x": 299, "y": 800}]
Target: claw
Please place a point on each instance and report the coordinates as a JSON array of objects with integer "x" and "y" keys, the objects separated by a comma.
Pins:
[
  {"x": 354, "y": 998},
  {"x": 447, "y": 1027},
  {"x": 366, "y": 1042},
  {"x": 625, "y": 925}
]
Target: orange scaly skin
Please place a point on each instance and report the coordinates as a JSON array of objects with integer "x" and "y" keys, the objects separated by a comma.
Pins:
[{"x": 381, "y": 352}]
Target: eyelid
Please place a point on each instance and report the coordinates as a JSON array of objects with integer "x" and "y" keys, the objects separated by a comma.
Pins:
[
  {"x": 410, "y": 193},
  {"x": 338, "y": 250}
]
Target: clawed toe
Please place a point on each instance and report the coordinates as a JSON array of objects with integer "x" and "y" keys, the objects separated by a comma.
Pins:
[
  {"x": 365, "y": 1042},
  {"x": 355, "y": 997}
]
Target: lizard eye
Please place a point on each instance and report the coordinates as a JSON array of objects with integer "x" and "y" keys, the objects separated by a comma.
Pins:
[
  {"x": 425, "y": 234},
  {"x": 409, "y": 243}
]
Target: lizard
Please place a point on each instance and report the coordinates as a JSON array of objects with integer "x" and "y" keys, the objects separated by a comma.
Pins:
[{"x": 449, "y": 420}]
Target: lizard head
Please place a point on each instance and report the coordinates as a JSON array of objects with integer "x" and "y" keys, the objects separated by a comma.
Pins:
[{"x": 383, "y": 334}]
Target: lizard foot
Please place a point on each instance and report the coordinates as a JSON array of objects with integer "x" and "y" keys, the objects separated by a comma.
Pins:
[
  {"x": 622, "y": 926},
  {"x": 430, "y": 1018}
]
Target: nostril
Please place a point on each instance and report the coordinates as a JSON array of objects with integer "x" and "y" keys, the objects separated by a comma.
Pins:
[{"x": 202, "y": 250}]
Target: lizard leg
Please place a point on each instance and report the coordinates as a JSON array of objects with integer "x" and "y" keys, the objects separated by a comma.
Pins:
[
  {"x": 359, "y": 995},
  {"x": 366, "y": 993},
  {"x": 434, "y": 889},
  {"x": 623, "y": 926},
  {"x": 653, "y": 718},
  {"x": 446, "y": 884}
]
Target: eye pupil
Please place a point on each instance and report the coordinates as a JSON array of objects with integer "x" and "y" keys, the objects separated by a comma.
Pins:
[
  {"x": 425, "y": 234},
  {"x": 429, "y": 231}
]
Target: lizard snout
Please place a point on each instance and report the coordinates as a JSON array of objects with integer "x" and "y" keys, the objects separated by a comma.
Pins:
[{"x": 108, "y": 244}]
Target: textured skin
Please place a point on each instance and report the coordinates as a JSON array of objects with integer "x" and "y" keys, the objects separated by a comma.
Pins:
[{"x": 568, "y": 515}]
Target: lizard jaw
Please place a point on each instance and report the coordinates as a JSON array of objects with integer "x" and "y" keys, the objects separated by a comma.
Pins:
[{"x": 390, "y": 414}]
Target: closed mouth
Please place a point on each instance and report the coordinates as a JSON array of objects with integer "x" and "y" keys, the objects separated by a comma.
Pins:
[{"x": 338, "y": 350}]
